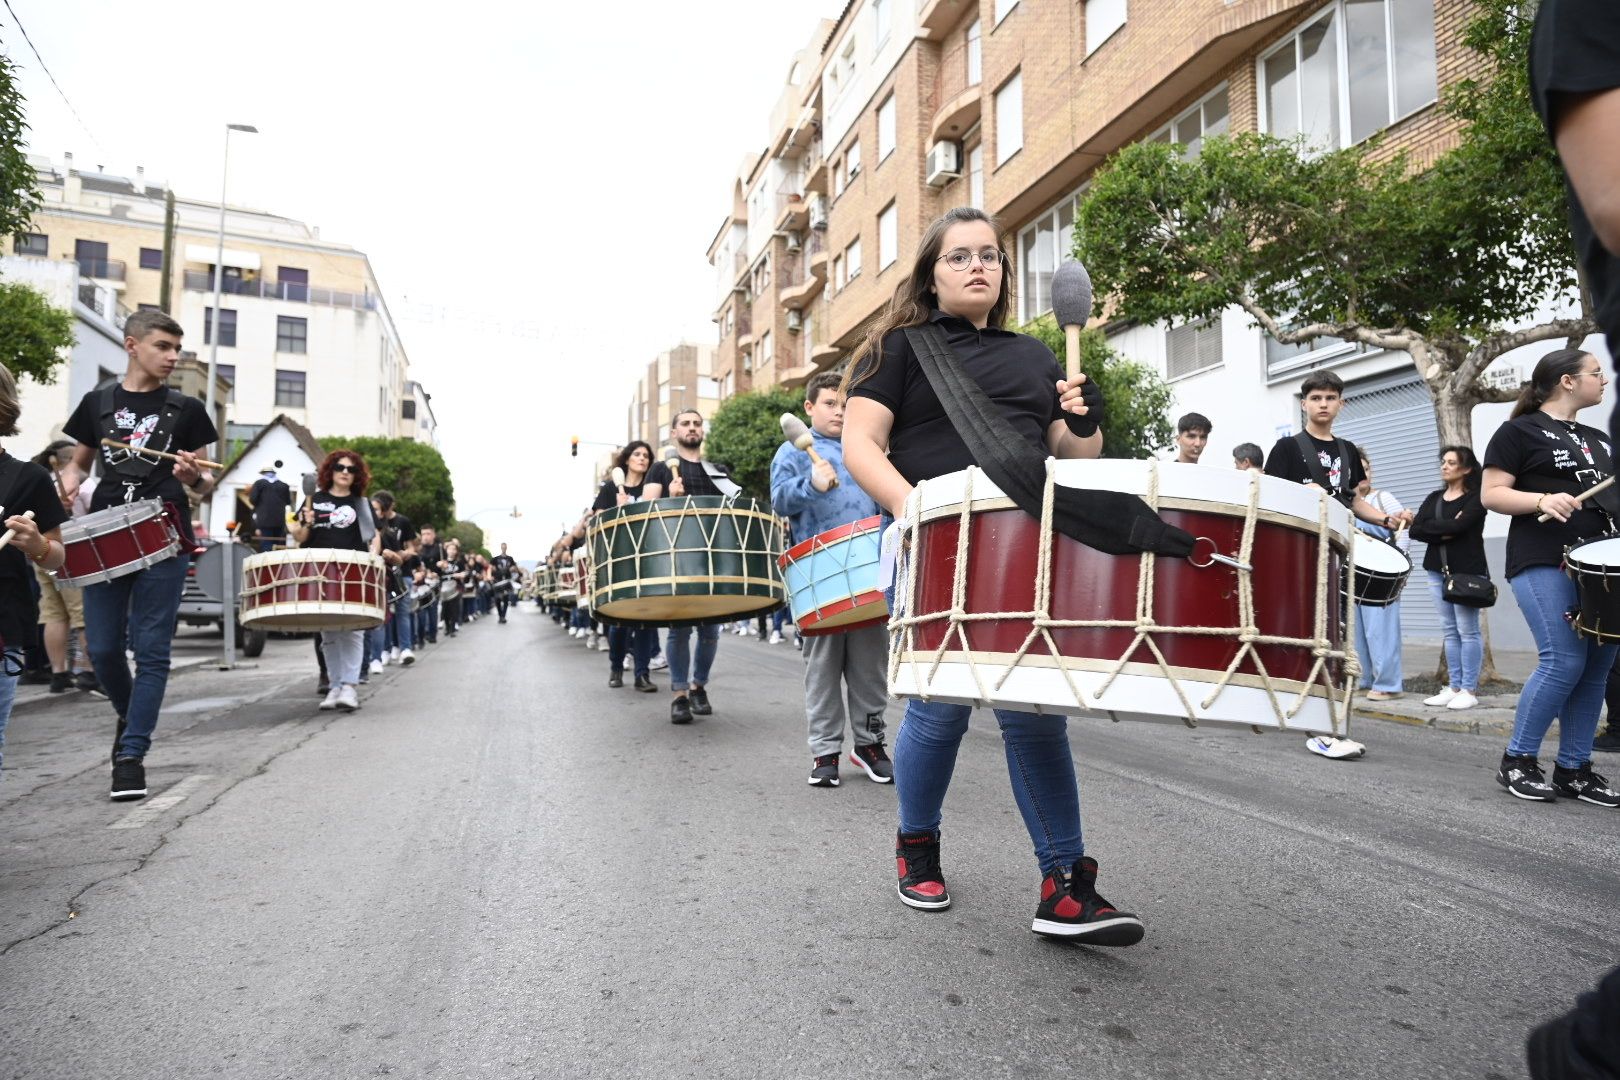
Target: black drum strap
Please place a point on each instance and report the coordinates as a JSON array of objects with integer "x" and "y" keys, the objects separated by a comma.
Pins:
[
  {"x": 129, "y": 467},
  {"x": 1313, "y": 465}
]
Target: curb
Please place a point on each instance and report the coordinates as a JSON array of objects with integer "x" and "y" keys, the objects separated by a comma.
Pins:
[
  {"x": 37, "y": 697},
  {"x": 1485, "y": 725}
]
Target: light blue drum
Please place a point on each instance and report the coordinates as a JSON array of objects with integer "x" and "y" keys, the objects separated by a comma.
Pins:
[{"x": 832, "y": 579}]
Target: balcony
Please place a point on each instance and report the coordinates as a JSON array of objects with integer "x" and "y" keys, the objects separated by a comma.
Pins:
[
  {"x": 958, "y": 95},
  {"x": 102, "y": 269},
  {"x": 791, "y": 209},
  {"x": 103, "y": 301},
  {"x": 815, "y": 169},
  {"x": 296, "y": 291},
  {"x": 804, "y": 273},
  {"x": 745, "y": 328},
  {"x": 936, "y": 17}
]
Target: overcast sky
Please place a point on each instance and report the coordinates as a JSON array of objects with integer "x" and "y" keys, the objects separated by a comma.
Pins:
[{"x": 536, "y": 184}]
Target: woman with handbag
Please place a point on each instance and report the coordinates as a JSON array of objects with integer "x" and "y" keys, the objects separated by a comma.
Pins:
[
  {"x": 1378, "y": 626},
  {"x": 1538, "y": 463},
  {"x": 1452, "y": 522}
]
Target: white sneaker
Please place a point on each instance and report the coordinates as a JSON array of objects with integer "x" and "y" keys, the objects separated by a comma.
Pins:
[
  {"x": 377, "y": 667},
  {"x": 1338, "y": 749},
  {"x": 1444, "y": 697},
  {"x": 330, "y": 701},
  {"x": 658, "y": 663},
  {"x": 348, "y": 699},
  {"x": 1463, "y": 700},
  {"x": 776, "y": 637},
  {"x": 406, "y": 656},
  {"x": 393, "y": 655}
]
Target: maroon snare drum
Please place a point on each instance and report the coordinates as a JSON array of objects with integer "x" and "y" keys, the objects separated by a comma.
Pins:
[
  {"x": 116, "y": 541},
  {"x": 314, "y": 589}
]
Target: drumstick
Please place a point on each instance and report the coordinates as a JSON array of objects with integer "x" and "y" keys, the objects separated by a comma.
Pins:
[
  {"x": 1583, "y": 496},
  {"x": 802, "y": 438},
  {"x": 157, "y": 453},
  {"x": 618, "y": 479},
  {"x": 1071, "y": 306},
  {"x": 6, "y": 539}
]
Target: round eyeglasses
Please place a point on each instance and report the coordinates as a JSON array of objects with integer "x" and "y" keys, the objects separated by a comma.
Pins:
[{"x": 962, "y": 258}]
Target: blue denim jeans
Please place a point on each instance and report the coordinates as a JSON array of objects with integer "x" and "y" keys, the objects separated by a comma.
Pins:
[
  {"x": 11, "y": 665},
  {"x": 1465, "y": 646},
  {"x": 1570, "y": 673},
  {"x": 1378, "y": 644},
  {"x": 427, "y": 621},
  {"x": 1039, "y": 764},
  {"x": 637, "y": 643},
  {"x": 138, "y": 611},
  {"x": 679, "y": 647}
]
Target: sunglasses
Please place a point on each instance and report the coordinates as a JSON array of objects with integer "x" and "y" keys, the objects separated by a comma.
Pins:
[{"x": 346, "y": 468}]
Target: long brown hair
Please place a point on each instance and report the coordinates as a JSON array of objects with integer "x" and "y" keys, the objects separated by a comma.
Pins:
[
  {"x": 9, "y": 408},
  {"x": 914, "y": 296},
  {"x": 1544, "y": 380}
]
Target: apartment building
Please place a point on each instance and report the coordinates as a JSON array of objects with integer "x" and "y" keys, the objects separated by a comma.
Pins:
[
  {"x": 303, "y": 326},
  {"x": 681, "y": 378},
  {"x": 416, "y": 419}
]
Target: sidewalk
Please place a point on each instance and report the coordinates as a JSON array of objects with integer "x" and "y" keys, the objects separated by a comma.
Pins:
[
  {"x": 30, "y": 695},
  {"x": 1492, "y": 716}
]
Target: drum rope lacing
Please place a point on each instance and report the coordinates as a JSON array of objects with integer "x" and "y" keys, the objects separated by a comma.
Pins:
[
  {"x": 903, "y": 628},
  {"x": 744, "y": 522}
]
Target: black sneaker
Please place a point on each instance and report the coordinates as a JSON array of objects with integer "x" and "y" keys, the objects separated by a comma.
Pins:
[
  {"x": 87, "y": 681},
  {"x": 700, "y": 702},
  {"x": 616, "y": 679},
  {"x": 1585, "y": 785},
  {"x": 644, "y": 684},
  {"x": 879, "y": 769},
  {"x": 1071, "y": 909},
  {"x": 1609, "y": 740},
  {"x": 1523, "y": 778},
  {"x": 61, "y": 682},
  {"x": 680, "y": 711},
  {"x": 128, "y": 779},
  {"x": 118, "y": 737},
  {"x": 916, "y": 859},
  {"x": 35, "y": 677},
  {"x": 825, "y": 772}
]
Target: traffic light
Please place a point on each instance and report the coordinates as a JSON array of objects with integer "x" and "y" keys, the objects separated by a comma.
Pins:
[{"x": 575, "y": 451}]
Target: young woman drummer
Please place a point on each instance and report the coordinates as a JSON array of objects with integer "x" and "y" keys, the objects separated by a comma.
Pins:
[
  {"x": 339, "y": 516},
  {"x": 896, "y": 435},
  {"x": 636, "y": 460},
  {"x": 1538, "y": 463}
]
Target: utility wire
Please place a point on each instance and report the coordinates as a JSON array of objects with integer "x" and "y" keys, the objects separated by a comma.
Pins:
[{"x": 51, "y": 77}]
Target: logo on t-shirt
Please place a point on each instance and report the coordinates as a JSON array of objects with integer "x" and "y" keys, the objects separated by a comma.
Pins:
[
  {"x": 337, "y": 517},
  {"x": 139, "y": 430},
  {"x": 1332, "y": 465}
]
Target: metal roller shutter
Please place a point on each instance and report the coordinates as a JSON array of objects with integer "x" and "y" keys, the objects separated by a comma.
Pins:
[{"x": 1392, "y": 420}]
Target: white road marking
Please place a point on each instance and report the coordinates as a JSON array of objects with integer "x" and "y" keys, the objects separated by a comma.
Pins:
[{"x": 145, "y": 813}]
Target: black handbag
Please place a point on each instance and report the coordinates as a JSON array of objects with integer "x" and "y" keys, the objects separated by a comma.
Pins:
[{"x": 1465, "y": 590}]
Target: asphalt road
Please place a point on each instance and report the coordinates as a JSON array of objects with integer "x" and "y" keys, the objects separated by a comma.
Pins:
[{"x": 501, "y": 868}]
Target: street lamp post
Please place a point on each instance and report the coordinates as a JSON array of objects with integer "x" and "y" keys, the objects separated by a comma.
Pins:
[{"x": 228, "y": 604}]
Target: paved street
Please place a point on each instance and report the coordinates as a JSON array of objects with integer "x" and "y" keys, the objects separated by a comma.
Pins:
[{"x": 501, "y": 868}]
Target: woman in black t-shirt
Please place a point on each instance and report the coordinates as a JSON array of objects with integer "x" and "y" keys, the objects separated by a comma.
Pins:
[
  {"x": 1452, "y": 522},
  {"x": 896, "y": 434},
  {"x": 1537, "y": 463},
  {"x": 339, "y": 516},
  {"x": 636, "y": 460}
]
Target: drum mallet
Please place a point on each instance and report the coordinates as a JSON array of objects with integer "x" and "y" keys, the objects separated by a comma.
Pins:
[
  {"x": 1071, "y": 305},
  {"x": 618, "y": 479},
  {"x": 161, "y": 454},
  {"x": 802, "y": 439},
  {"x": 9, "y": 533},
  {"x": 1601, "y": 485}
]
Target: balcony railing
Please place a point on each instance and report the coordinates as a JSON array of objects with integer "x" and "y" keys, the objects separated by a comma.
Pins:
[
  {"x": 796, "y": 266},
  {"x": 102, "y": 269},
  {"x": 790, "y": 195},
  {"x": 103, "y": 302},
  {"x": 953, "y": 77},
  {"x": 297, "y": 291}
]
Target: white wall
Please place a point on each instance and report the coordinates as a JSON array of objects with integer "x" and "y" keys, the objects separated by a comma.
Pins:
[
  {"x": 873, "y": 62},
  {"x": 278, "y": 444}
]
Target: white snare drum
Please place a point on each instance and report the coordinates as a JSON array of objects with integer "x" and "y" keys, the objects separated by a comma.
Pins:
[
  {"x": 1381, "y": 570},
  {"x": 1249, "y": 630},
  {"x": 314, "y": 589}
]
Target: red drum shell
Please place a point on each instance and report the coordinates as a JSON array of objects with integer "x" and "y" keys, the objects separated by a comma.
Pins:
[
  {"x": 114, "y": 542},
  {"x": 313, "y": 589}
]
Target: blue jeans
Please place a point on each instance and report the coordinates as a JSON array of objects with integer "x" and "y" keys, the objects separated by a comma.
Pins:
[
  {"x": 1038, "y": 762},
  {"x": 1378, "y": 643},
  {"x": 11, "y": 666},
  {"x": 679, "y": 647},
  {"x": 138, "y": 609},
  {"x": 1465, "y": 647},
  {"x": 1570, "y": 674},
  {"x": 427, "y": 621},
  {"x": 394, "y": 632},
  {"x": 638, "y": 643}
]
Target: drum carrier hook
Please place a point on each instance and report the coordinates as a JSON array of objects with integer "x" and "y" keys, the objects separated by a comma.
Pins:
[{"x": 1215, "y": 557}]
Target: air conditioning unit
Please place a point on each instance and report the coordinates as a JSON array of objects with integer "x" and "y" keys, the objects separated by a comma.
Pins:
[
  {"x": 944, "y": 163},
  {"x": 795, "y": 320},
  {"x": 795, "y": 241},
  {"x": 818, "y": 212}
]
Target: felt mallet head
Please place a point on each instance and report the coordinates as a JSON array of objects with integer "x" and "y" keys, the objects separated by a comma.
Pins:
[
  {"x": 797, "y": 432},
  {"x": 618, "y": 477},
  {"x": 1071, "y": 294}
]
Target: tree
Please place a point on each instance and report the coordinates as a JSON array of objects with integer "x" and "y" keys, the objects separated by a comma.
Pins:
[
  {"x": 19, "y": 185},
  {"x": 1351, "y": 244},
  {"x": 470, "y": 535},
  {"x": 745, "y": 432},
  {"x": 34, "y": 333},
  {"x": 1136, "y": 421},
  {"x": 415, "y": 472}
]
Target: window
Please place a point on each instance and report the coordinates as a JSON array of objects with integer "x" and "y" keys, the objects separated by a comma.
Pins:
[
  {"x": 885, "y": 124},
  {"x": 407, "y": 409},
  {"x": 228, "y": 373},
  {"x": 290, "y": 389},
  {"x": 838, "y": 278},
  {"x": 707, "y": 387},
  {"x": 1103, "y": 17},
  {"x": 1388, "y": 72},
  {"x": 1002, "y": 8},
  {"x": 1009, "y": 118},
  {"x": 881, "y": 12},
  {"x": 1042, "y": 246},
  {"x": 1205, "y": 120},
  {"x": 292, "y": 335},
  {"x": 663, "y": 393},
  {"x": 975, "y": 55},
  {"x": 151, "y": 258},
  {"x": 888, "y": 237},
  {"x": 1192, "y": 348},
  {"x": 292, "y": 283},
  {"x": 31, "y": 243},
  {"x": 765, "y": 356},
  {"x": 852, "y": 258},
  {"x": 227, "y": 327},
  {"x": 843, "y": 68},
  {"x": 837, "y": 178},
  {"x": 92, "y": 259},
  {"x": 852, "y": 161},
  {"x": 976, "y": 176}
]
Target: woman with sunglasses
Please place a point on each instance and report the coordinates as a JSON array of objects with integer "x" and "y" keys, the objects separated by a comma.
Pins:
[
  {"x": 339, "y": 516},
  {"x": 1538, "y": 463},
  {"x": 896, "y": 435}
]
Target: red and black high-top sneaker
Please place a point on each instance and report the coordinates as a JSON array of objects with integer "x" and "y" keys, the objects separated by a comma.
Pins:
[
  {"x": 1072, "y": 909},
  {"x": 916, "y": 857}
]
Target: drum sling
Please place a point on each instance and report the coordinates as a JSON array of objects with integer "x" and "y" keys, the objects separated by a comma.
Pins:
[
  {"x": 1313, "y": 465},
  {"x": 1607, "y": 500},
  {"x": 133, "y": 468}
]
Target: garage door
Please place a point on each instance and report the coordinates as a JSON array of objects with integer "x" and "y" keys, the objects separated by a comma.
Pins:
[{"x": 1392, "y": 420}]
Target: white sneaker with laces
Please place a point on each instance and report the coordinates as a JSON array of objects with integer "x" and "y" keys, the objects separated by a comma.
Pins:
[
  {"x": 1444, "y": 697},
  {"x": 406, "y": 656},
  {"x": 348, "y": 699},
  {"x": 330, "y": 701},
  {"x": 776, "y": 637},
  {"x": 1463, "y": 700},
  {"x": 1338, "y": 749},
  {"x": 377, "y": 667},
  {"x": 658, "y": 663}
]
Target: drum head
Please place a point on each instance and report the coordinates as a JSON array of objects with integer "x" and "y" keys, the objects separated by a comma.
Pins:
[
  {"x": 1600, "y": 554},
  {"x": 1376, "y": 556}
]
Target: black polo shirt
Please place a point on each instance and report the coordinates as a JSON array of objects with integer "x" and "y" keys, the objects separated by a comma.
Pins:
[
  {"x": 1016, "y": 372},
  {"x": 694, "y": 477}
]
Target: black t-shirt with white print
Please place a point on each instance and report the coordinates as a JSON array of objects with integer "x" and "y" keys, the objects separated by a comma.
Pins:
[
  {"x": 29, "y": 488},
  {"x": 337, "y": 521},
  {"x": 1540, "y": 460},
  {"x": 1342, "y": 466}
]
